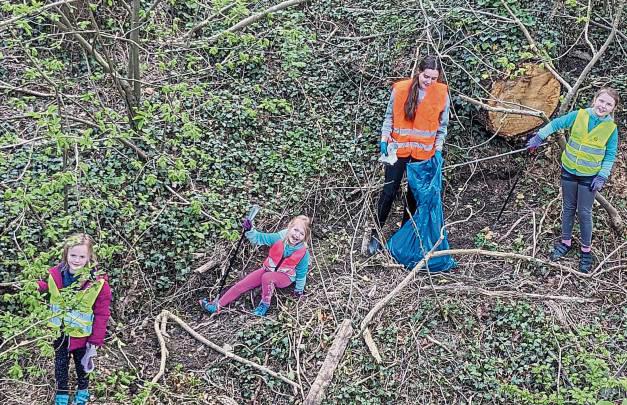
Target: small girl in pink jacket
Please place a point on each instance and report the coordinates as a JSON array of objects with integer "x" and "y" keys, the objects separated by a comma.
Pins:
[{"x": 80, "y": 298}]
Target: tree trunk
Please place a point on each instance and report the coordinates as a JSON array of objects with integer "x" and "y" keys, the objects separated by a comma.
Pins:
[{"x": 133, "y": 61}]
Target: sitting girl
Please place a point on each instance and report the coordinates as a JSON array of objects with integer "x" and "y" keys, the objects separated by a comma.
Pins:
[{"x": 287, "y": 263}]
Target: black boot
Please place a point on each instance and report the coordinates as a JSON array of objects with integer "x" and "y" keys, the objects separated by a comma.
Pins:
[{"x": 373, "y": 246}]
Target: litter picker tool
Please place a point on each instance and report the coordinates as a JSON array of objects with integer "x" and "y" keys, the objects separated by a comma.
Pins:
[
  {"x": 252, "y": 213},
  {"x": 511, "y": 190},
  {"x": 485, "y": 158}
]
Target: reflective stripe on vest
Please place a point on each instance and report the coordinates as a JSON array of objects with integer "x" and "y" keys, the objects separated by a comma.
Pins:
[
  {"x": 585, "y": 149},
  {"x": 417, "y": 137},
  {"x": 76, "y": 316},
  {"x": 414, "y": 132},
  {"x": 416, "y": 145},
  {"x": 288, "y": 265}
]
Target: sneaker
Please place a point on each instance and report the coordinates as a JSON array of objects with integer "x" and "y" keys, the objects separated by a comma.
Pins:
[
  {"x": 261, "y": 309},
  {"x": 61, "y": 399},
  {"x": 585, "y": 262},
  {"x": 373, "y": 246},
  {"x": 211, "y": 307},
  {"x": 81, "y": 398},
  {"x": 559, "y": 250}
]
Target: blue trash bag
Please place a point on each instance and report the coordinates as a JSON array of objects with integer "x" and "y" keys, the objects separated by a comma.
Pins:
[{"x": 418, "y": 235}]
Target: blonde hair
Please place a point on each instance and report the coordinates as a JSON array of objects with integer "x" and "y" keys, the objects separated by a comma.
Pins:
[
  {"x": 306, "y": 221},
  {"x": 79, "y": 239},
  {"x": 610, "y": 92}
]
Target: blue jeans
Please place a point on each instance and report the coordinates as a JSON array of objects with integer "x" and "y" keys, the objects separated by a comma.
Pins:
[{"x": 577, "y": 198}]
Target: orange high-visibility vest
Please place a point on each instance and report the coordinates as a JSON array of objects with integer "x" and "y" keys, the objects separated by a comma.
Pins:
[
  {"x": 286, "y": 265},
  {"x": 417, "y": 137}
]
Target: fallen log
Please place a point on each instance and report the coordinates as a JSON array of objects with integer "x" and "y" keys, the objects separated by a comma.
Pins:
[
  {"x": 537, "y": 90},
  {"x": 324, "y": 377}
]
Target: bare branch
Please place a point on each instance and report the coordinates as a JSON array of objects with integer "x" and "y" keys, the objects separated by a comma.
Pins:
[
  {"x": 334, "y": 355},
  {"x": 595, "y": 58},
  {"x": 7, "y": 86},
  {"x": 534, "y": 47},
  {"x": 585, "y": 30},
  {"x": 159, "y": 323},
  {"x": 207, "y": 21},
  {"x": 253, "y": 18},
  {"x": 133, "y": 60},
  {"x": 529, "y": 111},
  {"x": 412, "y": 274}
]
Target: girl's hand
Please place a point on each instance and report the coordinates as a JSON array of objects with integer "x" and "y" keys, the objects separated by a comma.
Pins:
[
  {"x": 597, "y": 183},
  {"x": 534, "y": 142},
  {"x": 247, "y": 224}
]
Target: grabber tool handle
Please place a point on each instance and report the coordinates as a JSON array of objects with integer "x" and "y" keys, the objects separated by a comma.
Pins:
[{"x": 253, "y": 211}]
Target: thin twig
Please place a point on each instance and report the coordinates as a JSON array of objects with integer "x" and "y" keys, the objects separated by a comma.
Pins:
[
  {"x": 35, "y": 12},
  {"x": 249, "y": 20},
  {"x": 531, "y": 112}
]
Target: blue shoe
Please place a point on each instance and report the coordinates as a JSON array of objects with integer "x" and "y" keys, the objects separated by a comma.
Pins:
[
  {"x": 585, "y": 263},
  {"x": 61, "y": 399},
  {"x": 211, "y": 307},
  {"x": 261, "y": 309},
  {"x": 559, "y": 250},
  {"x": 81, "y": 397}
]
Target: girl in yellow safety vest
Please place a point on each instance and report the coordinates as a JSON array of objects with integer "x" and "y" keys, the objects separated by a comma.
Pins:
[
  {"x": 80, "y": 314},
  {"x": 587, "y": 162},
  {"x": 416, "y": 123}
]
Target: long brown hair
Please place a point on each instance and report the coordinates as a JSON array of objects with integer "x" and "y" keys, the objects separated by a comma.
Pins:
[{"x": 429, "y": 62}]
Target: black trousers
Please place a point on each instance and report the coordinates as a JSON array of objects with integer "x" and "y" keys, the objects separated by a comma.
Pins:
[
  {"x": 393, "y": 177},
  {"x": 62, "y": 365}
]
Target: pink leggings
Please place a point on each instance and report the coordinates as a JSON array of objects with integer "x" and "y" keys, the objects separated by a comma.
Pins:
[{"x": 260, "y": 277}]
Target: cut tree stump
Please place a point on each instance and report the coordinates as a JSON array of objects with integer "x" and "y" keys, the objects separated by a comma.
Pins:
[
  {"x": 536, "y": 90},
  {"x": 324, "y": 377}
]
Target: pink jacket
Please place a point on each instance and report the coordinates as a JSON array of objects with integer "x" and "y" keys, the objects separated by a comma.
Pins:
[{"x": 102, "y": 309}]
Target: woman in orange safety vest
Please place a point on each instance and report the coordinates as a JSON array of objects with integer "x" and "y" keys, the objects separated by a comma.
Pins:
[{"x": 416, "y": 123}]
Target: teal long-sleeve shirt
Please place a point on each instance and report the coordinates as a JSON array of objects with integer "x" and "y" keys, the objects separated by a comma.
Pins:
[
  {"x": 567, "y": 121},
  {"x": 268, "y": 239}
]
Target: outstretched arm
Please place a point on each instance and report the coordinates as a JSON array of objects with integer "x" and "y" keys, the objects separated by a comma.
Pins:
[
  {"x": 610, "y": 155},
  {"x": 386, "y": 128},
  {"x": 262, "y": 238},
  {"x": 563, "y": 122}
]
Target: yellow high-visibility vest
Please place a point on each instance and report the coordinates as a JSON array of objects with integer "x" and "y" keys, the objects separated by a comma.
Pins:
[{"x": 585, "y": 149}]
